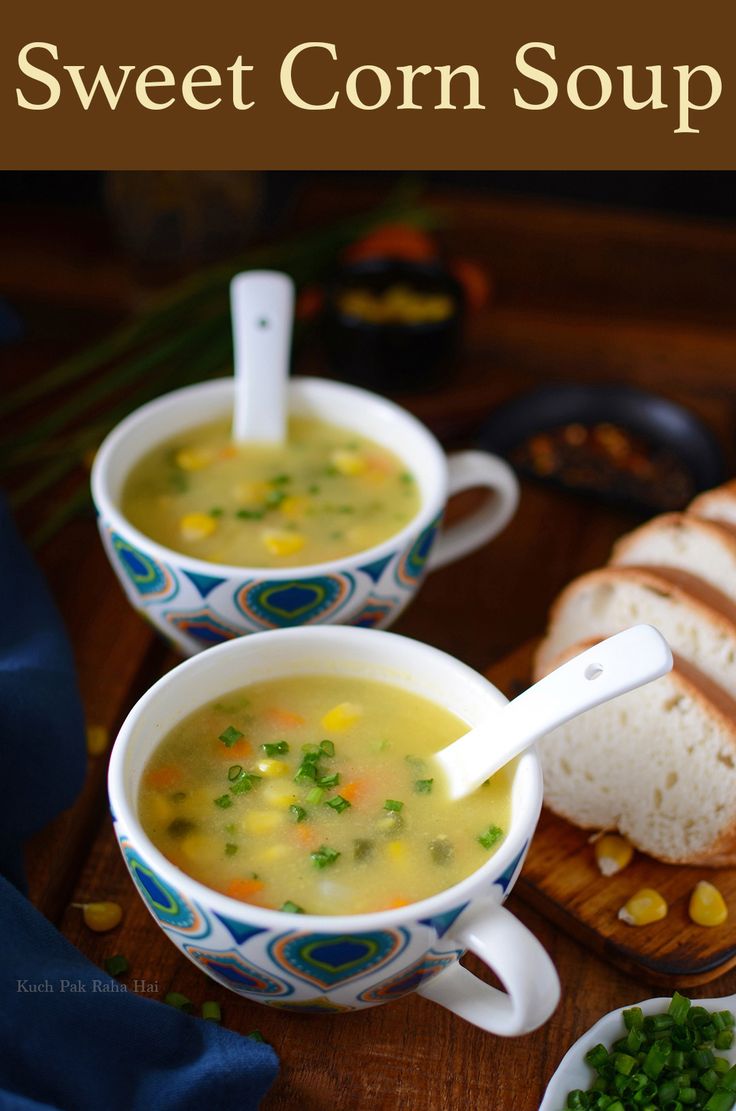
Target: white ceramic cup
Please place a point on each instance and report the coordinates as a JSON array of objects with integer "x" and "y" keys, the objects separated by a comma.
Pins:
[
  {"x": 195, "y": 603},
  {"x": 339, "y": 963}
]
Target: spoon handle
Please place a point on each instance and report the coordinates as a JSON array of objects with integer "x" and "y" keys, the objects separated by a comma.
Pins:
[
  {"x": 262, "y": 309},
  {"x": 616, "y": 665}
]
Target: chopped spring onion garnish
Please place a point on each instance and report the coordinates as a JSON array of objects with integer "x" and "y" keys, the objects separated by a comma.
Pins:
[
  {"x": 235, "y": 772},
  {"x": 323, "y": 856},
  {"x": 298, "y": 813},
  {"x": 117, "y": 965},
  {"x": 311, "y": 750},
  {"x": 223, "y": 802},
  {"x": 211, "y": 1011},
  {"x": 315, "y": 796},
  {"x": 338, "y": 803},
  {"x": 490, "y": 836},
  {"x": 230, "y": 735},
  {"x": 180, "y": 827},
  {"x": 216, "y": 511},
  {"x": 291, "y": 908},
  {"x": 230, "y": 849},
  {"x": 663, "y": 1061},
  {"x": 244, "y": 783},
  {"x": 329, "y": 780},
  {"x": 277, "y": 748},
  {"x": 250, "y": 514},
  {"x": 327, "y": 747},
  {"x": 393, "y": 804},
  {"x": 423, "y": 786}
]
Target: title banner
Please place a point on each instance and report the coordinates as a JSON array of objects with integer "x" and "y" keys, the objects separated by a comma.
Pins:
[{"x": 398, "y": 85}]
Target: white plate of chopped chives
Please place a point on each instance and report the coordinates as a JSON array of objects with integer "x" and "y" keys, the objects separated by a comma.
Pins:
[{"x": 672, "y": 1054}]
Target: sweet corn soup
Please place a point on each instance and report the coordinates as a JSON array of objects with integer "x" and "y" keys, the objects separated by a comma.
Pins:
[
  {"x": 314, "y": 794},
  {"x": 324, "y": 493}
]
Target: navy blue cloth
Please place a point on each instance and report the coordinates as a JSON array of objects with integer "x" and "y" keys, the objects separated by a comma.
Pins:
[
  {"x": 42, "y": 745},
  {"x": 96, "y": 1048}
]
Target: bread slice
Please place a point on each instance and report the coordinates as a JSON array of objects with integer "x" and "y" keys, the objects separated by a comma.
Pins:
[
  {"x": 684, "y": 610},
  {"x": 698, "y": 547},
  {"x": 658, "y": 764},
  {"x": 718, "y": 504}
]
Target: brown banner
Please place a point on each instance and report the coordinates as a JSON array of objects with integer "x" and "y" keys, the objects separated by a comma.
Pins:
[{"x": 328, "y": 85}]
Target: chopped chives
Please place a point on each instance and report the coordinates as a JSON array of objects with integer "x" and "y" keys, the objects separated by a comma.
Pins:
[
  {"x": 323, "y": 856},
  {"x": 327, "y": 747},
  {"x": 306, "y": 773},
  {"x": 230, "y": 849},
  {"x": 211, "y": 1011},
  {"x": 250, "y": 514},
  {"x": 223, "y": 801},
  {"x": 178, "y": 1001},
  {"x": 117, "y": 965},
  {"x": 329, "y": 780},
  {"x": 274, "y": 498},
  {"x": 311, "y": 750},
  {"x": 178, "y": 796},
  {"x": 315, "y": 796},
  {"x": 230, "y": 735},
  {"x": 244, "y": 783},
  {"x": 490, "y": 836},
  {"x": 406, "y": 477},
  {"x": 235, "y": 771},
  {"x": 280, "y": 479},
  {"x": 216, "y": 511},
  {"x": 276, "y": 748},
  {"x": 393, "y": 804},
  {"x": 664, "y": 1060},
  {"x": 291, "y": 908},
  {"x": 180, "y": 827},
  {"x": 298, "y": 813},
  {"x": 423, "y": 786},
  {"x": 338, "y": 803}
]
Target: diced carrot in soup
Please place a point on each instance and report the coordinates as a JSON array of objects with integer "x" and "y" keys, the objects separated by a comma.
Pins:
[
  {"x": 163, "y": 777},
  {"x": 284, "y": 719}
]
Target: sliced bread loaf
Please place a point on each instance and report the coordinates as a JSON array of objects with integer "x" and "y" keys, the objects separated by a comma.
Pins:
[
  {"x": 718, "y": 504},
  {"x": 678, "y": 540},
  {"x": 685, "y": 612},
  {"x": 659, "y": 764}
]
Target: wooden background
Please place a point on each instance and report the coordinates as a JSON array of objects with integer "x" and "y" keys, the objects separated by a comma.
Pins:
[{"x": 583, "y": 294}]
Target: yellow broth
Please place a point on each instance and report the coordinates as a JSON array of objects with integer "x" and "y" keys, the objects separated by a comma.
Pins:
[
  {"x": 325, "y": 493},
  {"x": 316, "y": 793}
]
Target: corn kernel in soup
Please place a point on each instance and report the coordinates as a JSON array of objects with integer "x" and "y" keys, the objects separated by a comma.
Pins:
[
  {"x": 325, "y": 493},
  {"x": 316, "y": 794}
]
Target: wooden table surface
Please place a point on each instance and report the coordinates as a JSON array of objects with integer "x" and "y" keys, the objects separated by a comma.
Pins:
[{"x": 585, "y": 294}]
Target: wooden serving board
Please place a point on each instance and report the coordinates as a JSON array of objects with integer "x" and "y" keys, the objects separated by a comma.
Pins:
[{"x": 561, "y": 880}]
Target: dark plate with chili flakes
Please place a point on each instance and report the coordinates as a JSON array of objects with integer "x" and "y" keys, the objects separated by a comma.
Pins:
[{"x": 617, "y": 443}]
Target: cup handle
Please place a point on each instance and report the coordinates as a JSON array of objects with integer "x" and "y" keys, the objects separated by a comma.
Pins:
[
  {"x": 514, "y": 954},
  {"x": 465, "y": 470}
]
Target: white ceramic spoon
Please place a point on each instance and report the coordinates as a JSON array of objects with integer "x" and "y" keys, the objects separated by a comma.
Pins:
[
  {"x": 616, "y": 665},
  {"x": 262, "y": 311},
  {"x": 572, "y": 1071}
]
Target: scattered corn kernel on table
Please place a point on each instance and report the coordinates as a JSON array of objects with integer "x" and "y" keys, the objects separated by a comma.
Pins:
[{"x": 582, "y": 294}]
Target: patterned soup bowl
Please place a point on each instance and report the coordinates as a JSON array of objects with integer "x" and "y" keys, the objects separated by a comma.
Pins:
[
  {"x": 195, "y": 603},
  {"x": 327, "y": 964}
]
